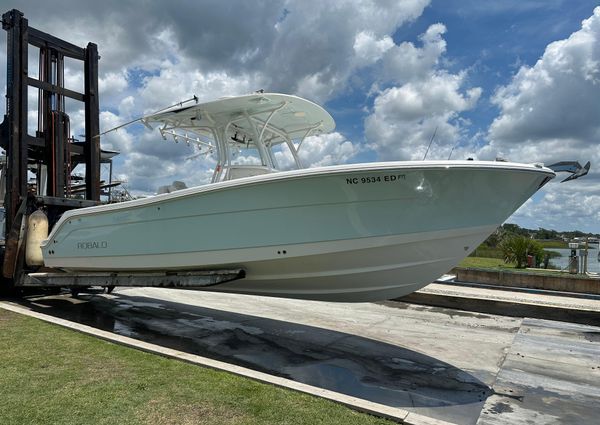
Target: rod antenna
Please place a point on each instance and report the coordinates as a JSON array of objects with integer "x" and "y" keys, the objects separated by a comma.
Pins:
[{"x": 430, "y": 142}]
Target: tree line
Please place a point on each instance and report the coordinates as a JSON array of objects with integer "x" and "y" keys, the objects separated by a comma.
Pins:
[{"x": 542, "y": 233}]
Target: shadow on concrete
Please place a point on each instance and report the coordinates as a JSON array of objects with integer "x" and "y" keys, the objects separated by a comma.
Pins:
[{"x": 338, "y": 361}]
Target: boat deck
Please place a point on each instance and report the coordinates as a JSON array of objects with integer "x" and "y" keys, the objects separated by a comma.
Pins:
[{"x": 451, "y": 365}]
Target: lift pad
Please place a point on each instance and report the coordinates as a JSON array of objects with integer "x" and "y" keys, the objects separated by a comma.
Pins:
[{"x": 189, "y": 279}]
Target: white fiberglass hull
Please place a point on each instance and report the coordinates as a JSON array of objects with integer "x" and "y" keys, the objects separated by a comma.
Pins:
[{"x": 347, "y": 233}]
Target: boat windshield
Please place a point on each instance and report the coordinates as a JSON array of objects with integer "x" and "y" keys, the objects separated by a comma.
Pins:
[{"x": 246, "y": 155}]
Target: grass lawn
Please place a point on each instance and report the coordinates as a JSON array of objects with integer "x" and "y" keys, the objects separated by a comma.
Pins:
[
  {"x": 552, "y": 244},
  {"x": 485, "y": 263},
  {"x": 52, "y": 375},
  {"x": 495, "y": 264},
  {"x": 483, "y": 251}
]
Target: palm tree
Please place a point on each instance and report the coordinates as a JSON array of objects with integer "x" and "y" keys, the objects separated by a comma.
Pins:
[{"x": 515, "y": 249}]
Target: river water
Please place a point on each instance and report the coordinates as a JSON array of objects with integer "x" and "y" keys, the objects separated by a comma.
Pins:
[{"x": 562, "y": 262}]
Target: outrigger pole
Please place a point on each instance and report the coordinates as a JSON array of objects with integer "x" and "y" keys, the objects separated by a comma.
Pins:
[{"x": 180, "y": 104}]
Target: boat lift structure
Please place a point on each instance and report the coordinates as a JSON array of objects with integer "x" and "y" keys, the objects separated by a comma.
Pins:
[{"x": 50, "y": 155}]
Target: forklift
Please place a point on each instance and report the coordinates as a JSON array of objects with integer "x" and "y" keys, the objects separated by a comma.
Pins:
[
  {"x": 49, "y": 156},
  {"x": 37, "y": 183}
]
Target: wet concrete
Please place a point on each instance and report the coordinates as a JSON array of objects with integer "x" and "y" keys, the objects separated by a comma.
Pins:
[
  {"x": 447, "y": 364},
  {"x": 339, "y": 361},
  {"x": 551, "y": 375}
]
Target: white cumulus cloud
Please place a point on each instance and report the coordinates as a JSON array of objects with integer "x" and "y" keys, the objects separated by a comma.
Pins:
[
  {"x": 552, "y": 109},
  {"x": 427, "y": 100}
]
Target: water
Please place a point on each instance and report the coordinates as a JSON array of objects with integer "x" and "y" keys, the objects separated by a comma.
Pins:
[{"x": 562, "y": 262}]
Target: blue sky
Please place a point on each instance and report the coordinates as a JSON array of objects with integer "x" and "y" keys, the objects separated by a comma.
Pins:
[
  {"x": 517, "y": 79},
  {"x": 490, "y": 39}
]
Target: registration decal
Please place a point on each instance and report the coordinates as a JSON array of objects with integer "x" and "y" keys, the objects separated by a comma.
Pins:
[{"x": 386, "y": 178}]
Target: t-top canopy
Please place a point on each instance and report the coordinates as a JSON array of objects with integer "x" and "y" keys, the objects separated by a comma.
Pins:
[{"x": 267, "y": 115}]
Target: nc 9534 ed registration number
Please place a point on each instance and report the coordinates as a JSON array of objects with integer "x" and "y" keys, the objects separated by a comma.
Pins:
[{"x": 386, "y": 178}]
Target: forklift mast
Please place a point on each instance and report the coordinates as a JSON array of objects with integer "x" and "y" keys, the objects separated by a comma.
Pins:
[{"x": 50, "y": 154}]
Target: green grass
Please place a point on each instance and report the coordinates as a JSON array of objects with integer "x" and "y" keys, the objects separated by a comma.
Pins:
[
  {"x": 487, "y": 252},
  {"x": 485, "y": 263},
  {"x": 552, "y": 244},
  {"x": 494, "y": 264},
  {"x": 51, "y": 375}
]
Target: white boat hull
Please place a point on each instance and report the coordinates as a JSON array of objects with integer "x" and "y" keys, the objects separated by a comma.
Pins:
[
  {"x": 347, "y": 233},
  {"x": 368, "y": 269}
]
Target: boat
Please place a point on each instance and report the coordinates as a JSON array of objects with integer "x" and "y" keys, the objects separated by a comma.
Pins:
[{"x": 351, "y": 233}]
